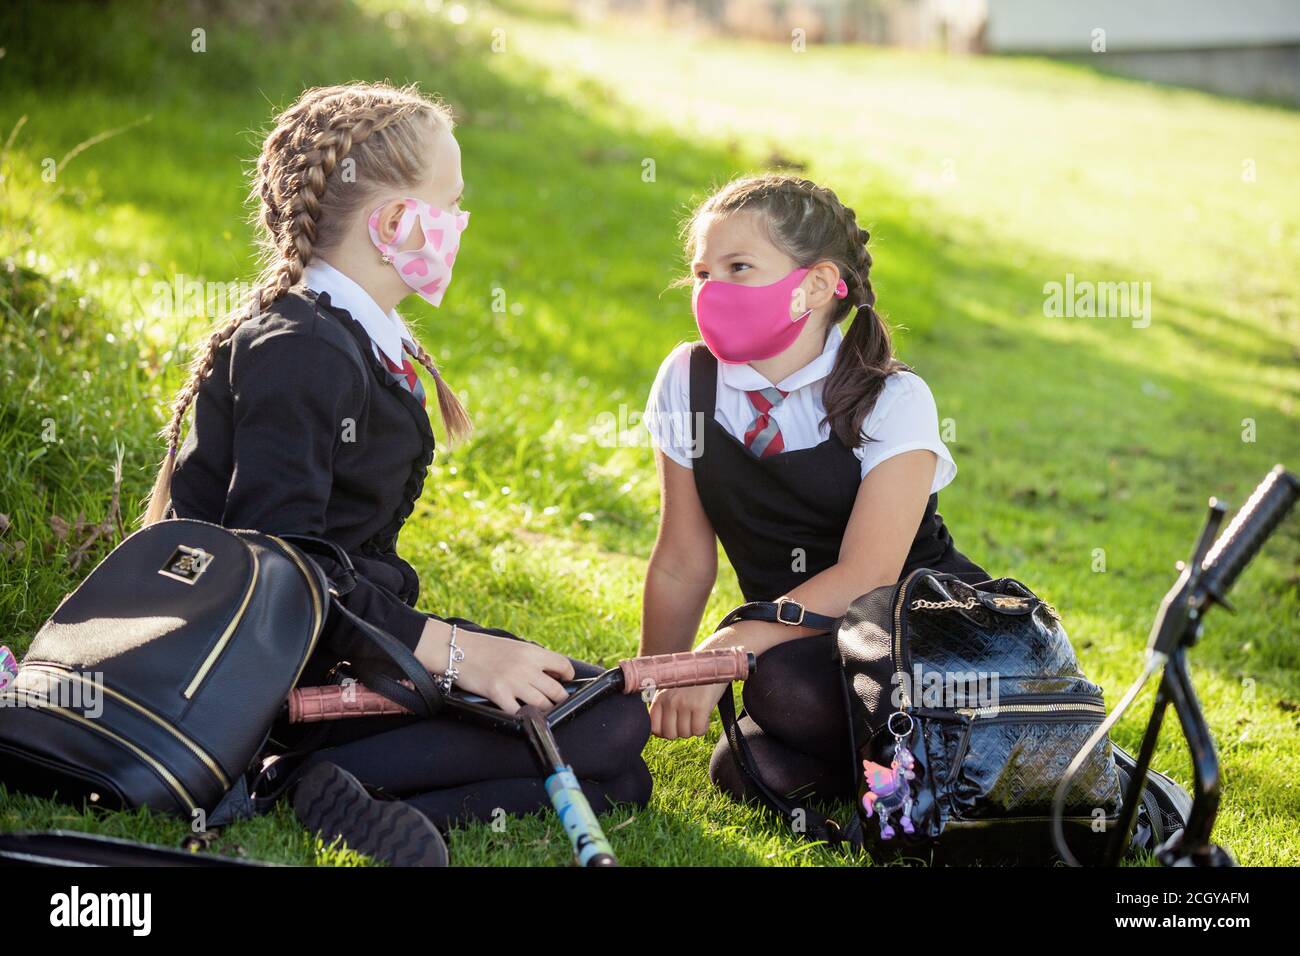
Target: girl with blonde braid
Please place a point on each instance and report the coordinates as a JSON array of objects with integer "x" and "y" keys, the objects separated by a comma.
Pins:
[
  {"x": 812, "y": 454},
  {"x": 309, "y": 418}
]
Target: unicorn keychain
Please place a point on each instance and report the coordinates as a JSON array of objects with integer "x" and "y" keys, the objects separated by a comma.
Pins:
[
  {"x": 887, "y": 789},
  {"x": 8, "y": 667}
]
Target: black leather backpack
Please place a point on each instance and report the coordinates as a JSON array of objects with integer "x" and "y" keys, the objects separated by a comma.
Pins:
[
  {"x": 156, "y": 682},
  {"x": 980, "y": 684}
]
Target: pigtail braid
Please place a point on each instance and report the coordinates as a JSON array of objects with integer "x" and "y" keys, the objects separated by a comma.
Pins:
[
  {"x": 454, "y": 417},
  {"x": 866, "y": 357}
]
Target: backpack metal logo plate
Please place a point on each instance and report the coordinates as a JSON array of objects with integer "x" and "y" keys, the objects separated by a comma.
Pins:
[{"x": 186, "y": 564}]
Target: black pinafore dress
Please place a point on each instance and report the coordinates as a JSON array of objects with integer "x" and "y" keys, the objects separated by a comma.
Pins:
[{"x": 781, "y": 519}]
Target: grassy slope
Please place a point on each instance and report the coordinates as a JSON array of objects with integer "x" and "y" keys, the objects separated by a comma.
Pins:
[{"x": 1072, "y": 435}]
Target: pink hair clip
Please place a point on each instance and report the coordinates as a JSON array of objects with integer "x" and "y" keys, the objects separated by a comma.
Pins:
[{"x": 841, "y": 289}]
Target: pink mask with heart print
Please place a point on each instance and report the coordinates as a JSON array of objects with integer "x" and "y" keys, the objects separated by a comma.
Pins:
[{"x": 426, "y": 269}]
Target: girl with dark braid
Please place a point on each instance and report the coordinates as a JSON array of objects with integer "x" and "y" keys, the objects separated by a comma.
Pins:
[
  {"x": 309, "y": 418},
  {"x": 812, "y": 454}
]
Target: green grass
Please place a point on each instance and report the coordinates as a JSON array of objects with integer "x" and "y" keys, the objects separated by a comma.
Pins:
[{"x": 982, "y": 179}]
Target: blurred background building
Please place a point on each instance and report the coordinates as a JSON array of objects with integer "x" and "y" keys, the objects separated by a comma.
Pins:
[{"x": 1244, "y": 48}]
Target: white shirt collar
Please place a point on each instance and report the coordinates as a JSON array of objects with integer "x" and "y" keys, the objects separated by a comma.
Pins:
[
  {"x": 745, "y": 378},
  {"x": 386, "y": 331}
]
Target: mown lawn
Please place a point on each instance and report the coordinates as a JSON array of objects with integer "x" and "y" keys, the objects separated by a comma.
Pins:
[{"x": 1086, "y": 447}]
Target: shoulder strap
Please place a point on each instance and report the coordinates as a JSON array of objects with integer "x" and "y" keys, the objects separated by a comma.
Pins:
[
  {"x": 774, "y": 612},
  {"x": 426, "y": 697},
  {"x": 704, "y": 383},
  {"x": 805, "y": 821}
]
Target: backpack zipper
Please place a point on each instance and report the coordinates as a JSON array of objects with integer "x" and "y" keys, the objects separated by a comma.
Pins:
[
  {"x": 213, "y": 655},
  {"x": 1086, "y": 707},
  {"x": 316, "y": 602},
  {"x": 207, "y": 759},
  {"x": 900, "y": 674},
  {"x": 168, "y": 777}
]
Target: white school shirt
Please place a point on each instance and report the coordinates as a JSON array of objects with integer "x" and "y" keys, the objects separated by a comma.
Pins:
[
  {"x": 386, "y": 331},
  {"x": 904, "y": 418}
]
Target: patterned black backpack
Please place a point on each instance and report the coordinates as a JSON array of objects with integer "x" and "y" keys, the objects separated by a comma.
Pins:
[{"x": 966, "y": 705}]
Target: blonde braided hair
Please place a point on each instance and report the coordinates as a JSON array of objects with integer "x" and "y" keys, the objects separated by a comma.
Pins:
[
  {"x": 810, "y": 224},
  {"x": 384, "y": 131}
]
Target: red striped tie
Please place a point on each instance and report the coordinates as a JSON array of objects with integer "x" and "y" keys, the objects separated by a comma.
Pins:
[
  {"x": 405, "y": 375},
  {"x": 763, "y": 437}
]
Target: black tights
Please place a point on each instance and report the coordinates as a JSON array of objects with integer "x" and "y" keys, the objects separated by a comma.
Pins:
[
  {"x": 795, "y": 725},
  {"x": 456, "y": 772}
]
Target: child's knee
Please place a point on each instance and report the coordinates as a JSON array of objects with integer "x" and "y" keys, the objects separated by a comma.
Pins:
[
  {"x": 603, "y": 742},
  {"x": 628, "y": 723},
  {"x": 632, "y": 787},
  {"x": 723, "y": 772}
]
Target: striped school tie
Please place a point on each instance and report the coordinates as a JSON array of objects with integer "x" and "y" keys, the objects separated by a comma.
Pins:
[
  {"x": 404, "y": 375},
  {"x": 763, "y": 437}
]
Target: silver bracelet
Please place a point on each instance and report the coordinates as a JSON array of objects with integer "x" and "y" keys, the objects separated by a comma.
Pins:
[{"x": 454, "y": 656}]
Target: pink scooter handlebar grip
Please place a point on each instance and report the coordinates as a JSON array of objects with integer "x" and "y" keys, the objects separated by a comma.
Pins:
[
  {"x": 309, "y": 705},
  {"x": 688, "y": 669}
]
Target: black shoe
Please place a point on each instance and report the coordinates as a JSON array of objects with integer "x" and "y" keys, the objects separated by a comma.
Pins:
[{"x": 330, "y": 801}]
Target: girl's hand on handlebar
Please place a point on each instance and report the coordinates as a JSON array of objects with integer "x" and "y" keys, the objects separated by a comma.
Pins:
[
  {"x": 684, "y": 711},
  {"x": 507, "y": 672},
  {"x": 503, "y": 670}
]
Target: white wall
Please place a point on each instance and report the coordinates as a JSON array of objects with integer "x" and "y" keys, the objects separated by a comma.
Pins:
[{"x": 1066, "y": 26}]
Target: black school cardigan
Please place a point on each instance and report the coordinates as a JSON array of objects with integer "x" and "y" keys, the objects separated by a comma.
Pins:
[{"x": 300, "y": 430}]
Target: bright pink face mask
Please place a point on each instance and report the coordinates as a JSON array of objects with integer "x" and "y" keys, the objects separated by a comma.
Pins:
[
  {"x": 427, "y": 269},
  {"x": 749, "y": 323}
]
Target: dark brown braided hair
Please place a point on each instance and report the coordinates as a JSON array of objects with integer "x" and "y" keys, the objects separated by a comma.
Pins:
[
  {"x": 810, "y": 224},
  {"x": 385, "y": 132}
]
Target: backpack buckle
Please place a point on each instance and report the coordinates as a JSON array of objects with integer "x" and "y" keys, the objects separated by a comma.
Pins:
[{"x": 781, "y": 604}]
